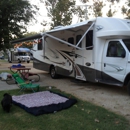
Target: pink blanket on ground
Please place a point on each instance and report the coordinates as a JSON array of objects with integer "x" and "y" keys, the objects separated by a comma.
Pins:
[{"x": 39, "y": 99}]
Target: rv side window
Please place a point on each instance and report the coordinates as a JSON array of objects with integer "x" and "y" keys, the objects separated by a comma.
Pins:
[
  {"x": 115, "y": 49},
  {"x": 127, "y": 43},
  {"x": 89, "y": 40},
  {"x": 40, "y": 44},
  {"x": 71, "y": 40},
  {"x": 78, "y": 37}
]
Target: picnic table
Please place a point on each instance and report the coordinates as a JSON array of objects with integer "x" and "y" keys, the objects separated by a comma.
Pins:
[{"x": 24, "y": 72}]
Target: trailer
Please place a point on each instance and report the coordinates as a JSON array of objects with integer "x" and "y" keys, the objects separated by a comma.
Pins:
[
  {"x": 19, "y": 55},
  {"x": 96, "y": 50}
]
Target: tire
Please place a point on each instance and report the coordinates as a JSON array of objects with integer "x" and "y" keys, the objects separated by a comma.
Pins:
[
  {"x": 34, "y": 77},
  {"x": 28, "y": 61},
  {"x": 19, "y": 61},
  {"x": 53, "y": 73},
  {"x": 10, "y": 80},
  {"x": 128, "y": 88}
]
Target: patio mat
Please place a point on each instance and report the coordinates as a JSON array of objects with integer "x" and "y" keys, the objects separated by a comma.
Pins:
[{"x": 43, "y": 102}]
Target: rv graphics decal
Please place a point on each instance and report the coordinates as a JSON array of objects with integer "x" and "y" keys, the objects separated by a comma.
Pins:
[
  {"x": 54, "y": 57},
  {"x": 79, "y": 73}
]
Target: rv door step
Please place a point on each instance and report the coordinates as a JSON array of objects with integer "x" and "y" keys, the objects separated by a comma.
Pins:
[
  {"x": 77, "y": 81},
  {"x": 110, "y": 82}
]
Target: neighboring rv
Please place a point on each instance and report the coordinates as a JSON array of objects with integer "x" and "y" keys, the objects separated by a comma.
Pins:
[
  {"x": 96, "y": 50},
  {"x": 19, "y": 55}
]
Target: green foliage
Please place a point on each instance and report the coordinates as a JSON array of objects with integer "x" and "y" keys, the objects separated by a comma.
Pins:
[
  {"x": 113, "y": 1},
  {"x": 110, "y": 13},
  {"x": 14, "y": 16},
  {"x": 81, "y": 116},
  {"x": 62, "y": 13},
  {"x": 126, "y": 10},
  {"x": 97, "y": 8}
]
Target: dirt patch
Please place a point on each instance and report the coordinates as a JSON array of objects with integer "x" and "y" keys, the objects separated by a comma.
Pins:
[{"x": 112, "y": 98}]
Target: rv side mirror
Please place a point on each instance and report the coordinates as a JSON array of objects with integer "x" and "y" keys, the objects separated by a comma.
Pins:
[{"x": 123, "y": 54}]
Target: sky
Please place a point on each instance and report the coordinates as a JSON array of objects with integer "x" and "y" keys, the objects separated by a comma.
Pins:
[{"x": 37, "y": 27}]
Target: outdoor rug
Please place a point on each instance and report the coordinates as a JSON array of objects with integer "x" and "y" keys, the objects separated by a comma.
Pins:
[{"x": 43, "y": 102}]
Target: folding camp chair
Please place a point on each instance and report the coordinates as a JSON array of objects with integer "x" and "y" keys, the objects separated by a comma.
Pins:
[{"x": 24, "y": 85}]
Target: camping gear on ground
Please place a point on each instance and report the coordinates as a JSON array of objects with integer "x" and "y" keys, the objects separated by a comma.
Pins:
[{"x": 4, "y": 75}]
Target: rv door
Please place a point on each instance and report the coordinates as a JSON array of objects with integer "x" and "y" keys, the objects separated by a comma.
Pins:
[
  {"x": 114, "y": 62},
  {"x": 79, "y": 59}
]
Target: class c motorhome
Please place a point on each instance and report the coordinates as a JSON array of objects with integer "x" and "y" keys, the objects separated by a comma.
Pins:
[
  {"x": 18, "y": 55},
  {"x": 96, "y": 50}
]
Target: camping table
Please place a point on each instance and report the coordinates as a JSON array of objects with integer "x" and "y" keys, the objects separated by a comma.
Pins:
[{"x": 23, "y": 71}]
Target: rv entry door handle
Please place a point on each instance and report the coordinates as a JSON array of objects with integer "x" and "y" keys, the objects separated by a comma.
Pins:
[{"x": 104, "y": 64}]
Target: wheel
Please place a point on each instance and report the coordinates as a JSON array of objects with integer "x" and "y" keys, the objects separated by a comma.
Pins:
[
  {"x": 53, "y": 72},
  {"x": 34, "y": 77},
  {"x": 10, "y": 80},
  {"x": 19, "y": 61},
  {"x": 28, "y": 61},
  {"x": 37, "y": 78},
  {"x": 128, "y": 87}
]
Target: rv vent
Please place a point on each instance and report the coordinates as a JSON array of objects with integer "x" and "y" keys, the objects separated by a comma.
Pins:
[{"x": 58, "y": 27}]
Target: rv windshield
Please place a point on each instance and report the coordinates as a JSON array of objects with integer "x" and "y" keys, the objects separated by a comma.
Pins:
[{"x": 127, "y": 43}]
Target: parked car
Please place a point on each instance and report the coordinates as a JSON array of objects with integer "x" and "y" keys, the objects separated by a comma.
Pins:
[{"x": 2, "y": 57}]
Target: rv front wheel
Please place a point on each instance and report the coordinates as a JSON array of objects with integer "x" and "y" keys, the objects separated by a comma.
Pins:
[{"x": 53, "y": 73}]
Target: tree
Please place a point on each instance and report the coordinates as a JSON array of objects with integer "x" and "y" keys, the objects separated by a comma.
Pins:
[
  {"x": 126, "y": 10},
  {"x": 61, "y": 11},
  {"x": 114, "y": 1},
  {"x": 110, "y": 13},
  {"x": 14, "y": 16},
  {"x": 97, "y": 8}
]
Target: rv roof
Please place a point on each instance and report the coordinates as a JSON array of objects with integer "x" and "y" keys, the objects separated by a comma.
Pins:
[{"x": 71, "y": 26}]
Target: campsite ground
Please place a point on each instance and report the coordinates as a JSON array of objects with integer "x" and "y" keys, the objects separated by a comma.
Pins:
[{"x": 112, "y": 98}]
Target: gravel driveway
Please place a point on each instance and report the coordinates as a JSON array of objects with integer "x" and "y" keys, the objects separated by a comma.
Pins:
[{"x": 112, "y": 98}]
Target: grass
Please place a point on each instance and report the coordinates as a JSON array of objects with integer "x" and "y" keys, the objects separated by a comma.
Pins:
[
  {"x": 3, "y": 60},
  {"x": 8, "y": 71},
  {"x": 81, "y": 116}
]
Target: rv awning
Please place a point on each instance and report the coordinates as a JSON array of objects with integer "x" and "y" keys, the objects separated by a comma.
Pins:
[
  {"x": 27, "y": 38},
  {"x": 70, "y": 28},
  {"x": 60, "y": 28}
]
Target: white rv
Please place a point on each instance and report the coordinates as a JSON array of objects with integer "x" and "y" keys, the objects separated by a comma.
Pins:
[
  {"x": 19, "y": 55},
  {"x": 96, "y": 50}
]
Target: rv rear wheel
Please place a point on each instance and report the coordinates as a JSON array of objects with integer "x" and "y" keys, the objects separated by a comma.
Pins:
[{"x": 53, "y": 72}]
